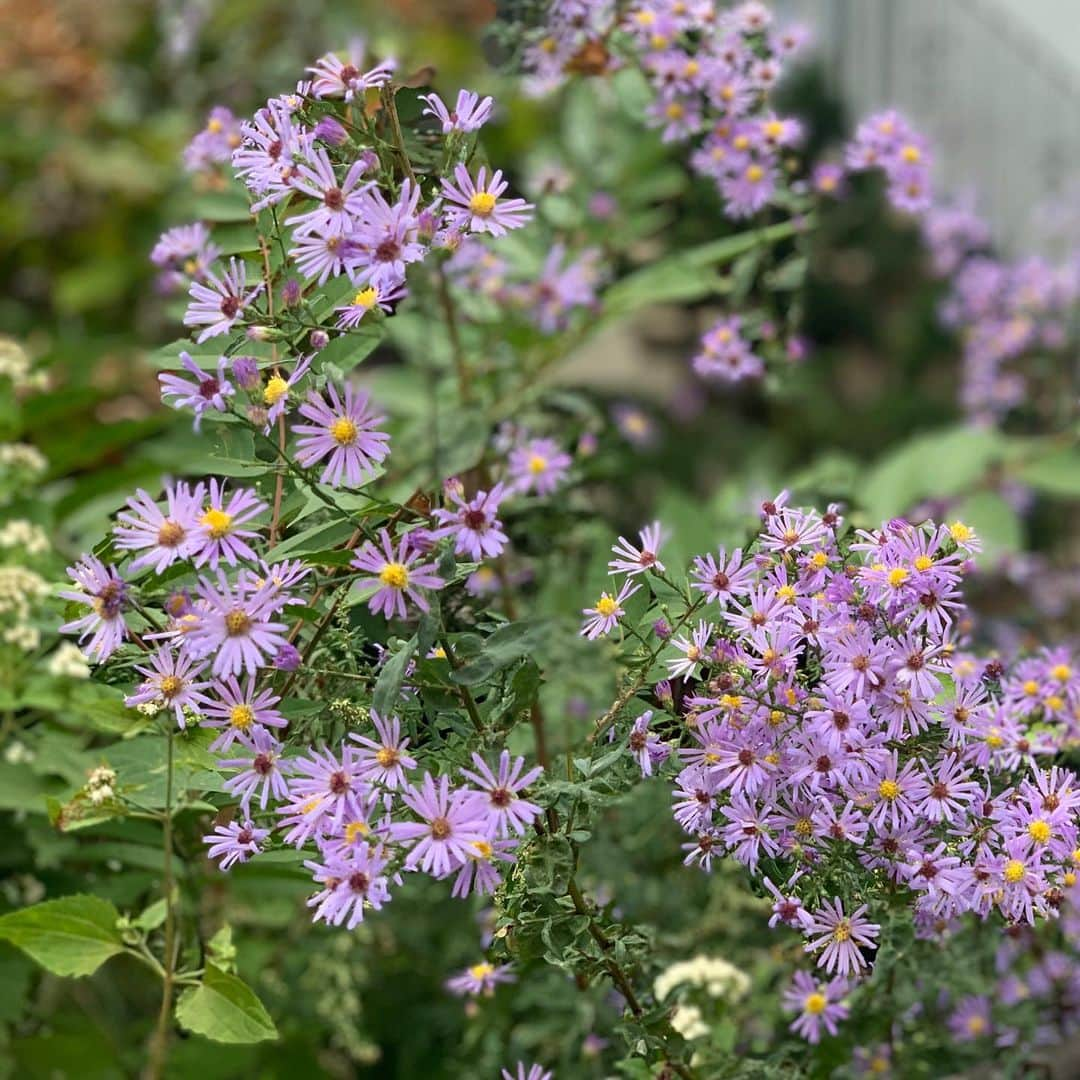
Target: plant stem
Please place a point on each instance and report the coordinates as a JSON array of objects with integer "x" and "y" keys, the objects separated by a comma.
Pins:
[
  {"x": 457, "y": 351},
  {"x": 463, "y": 691},
  {"x": 159, "y": 1046}
]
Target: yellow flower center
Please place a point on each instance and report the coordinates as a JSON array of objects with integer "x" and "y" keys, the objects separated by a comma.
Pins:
[
  {"x": 311, "y": 805},
  {"x": 1014, "y": 871},
  {"x": 897, "y": 576},
  {"x": 819, "y": 560},
  {"x": 976, "y": 1025},
  {"x": 1039, "y": 831},
  {"x": 170, "y": 533},
  {"x": 994, "y": 739},
  {"x": 386, "y": 756},
  {"x": 355, "y": 829},
  {"x": 815, "y": 1003},
  {"x": 776, "y": 718},
  {"x": 343, "y": 431},
  {"x": 237, "y": 623},
  {"x": 911, "y": 154},
  {"x": 537, "y": 463},
  {"x": 483, "y": 848},
  {"x": 481, "y": 971},
  {"x": 923, "y": 562},
  {"x": 215, "y": 126},
  {"x": 1055, "y": 703},
  {"x": 786, "y": 593},
  {"x": 241, "y": 717},
  {"x": 803, "y": 826},
  {"x": 1031, "y": 688},
  {"x": 754, "y": 173},
  {"x": 276, "y": 388},
  {"x": 171, "y": 685},
  {"x": 1061, "y": 672},
  {"x": 217, "y": 523},
  {"x": 773, "y": 129},
  {"x": 606, "y": 606},
  {"x": 691, "y": 68},
  {"x": 960, "y": 532},
  {"x": 675, "y": 111},
  {"x": 888, "y": 789},
  {"x": 438, "y": 653},
  {"x": 741, "y": 142},
  {"x": 482, "y": 203},
  {"x": 395, "y": 575},
  {"x": 842, "y": 932},
  {"x": 365, "y": 298}
]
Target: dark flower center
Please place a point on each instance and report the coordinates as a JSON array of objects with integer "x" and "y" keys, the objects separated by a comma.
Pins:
[
  {"x": 245, "y": 836},
  {"x": 334, "y": 198},
  {"x": 263, "y": 764},
  {"x": 359, "y": 882},
  {"x": 501, "y": 796},
  {"x": 440, "y": 828},
  {"x": 229, "y": 306},
  {"x": 388, "y": 250},
  {"x": 474, "y": 519},
  {"x": 339, "y": 783}
]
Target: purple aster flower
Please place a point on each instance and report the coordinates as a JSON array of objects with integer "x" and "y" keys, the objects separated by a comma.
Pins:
[
  {"x": 346, "y": 429},
  {"x": 538, "y": 466},
  {"x": 382, "y": 296},
  {"x": 266, "y": 158},
  {"x": 219, "y": 532},
  {"x": 384, "y": 761},
  {"x": 841, "y": 935},
  {"x": 277, "y": 393},
  {"x": 320, "y": 255},
  {"x": 105, "y": 593},
  {"x": 240, "y": 710},
  {"x": 523, "y": 1072},
  {"x": 631, "y": 560},
  {"x": 723, "y": 579},
  {"x": 480, "y": 979},
  {"x": 335, "y": 77},
  {"x": 693, "y": 650},
  {"x": 263, "y": 771},
  {"x": 339, "y": 202},
  {"x": 388, "y": 238},
  {"x": 604, "y": 617},
  {"x": 648, "y": 751},
  {"x": 207, "y": 391},
  {"x": 333, "y": 785},
  {"x": 234, "y": 842},
  {"x": 452, "y": 821},
  {"x": 219, "y": 302},
  {"x": 470, "y": 113},
  {"x": 504, "y": 809},
  {"x": 474, "y": 523},
  {"x": 233, "y": 625},
  {"x": 395, "y": 575},
  {"x": 478, "y": 206},
  {"x": 818, "y": 1005},
  {"x": 162, "y": 537},
  {"x": 350, "y": 882},
  {"x": 186, "y": 251},
  {"x": 971, "y": 1020},
  {"x": 172, "y": 679},
  {"x": 479, "y": 873}
]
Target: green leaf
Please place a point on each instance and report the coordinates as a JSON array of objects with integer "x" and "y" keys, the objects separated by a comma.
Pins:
[
  {"x": 940, "y": 463},
  {"x": 388, "y": 686},
  {"x": 153, "y": 916},
  {"x": 507, "y": 644},
  {"x": 995, "y": 522},
  {"x": 73, "y": 935},
  {"x": 1056, "y": 474},
  {"x": 686, "y": 276},
  {"x": 224, "y": 1008}
]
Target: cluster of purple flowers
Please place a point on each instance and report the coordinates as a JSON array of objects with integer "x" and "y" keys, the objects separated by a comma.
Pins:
[
  {"x": 887, "y": 142},
  {"x": 370, "y": 819},
  {"x": 726, "y": 355},
  {"x": 566, "y": 283},
  {"x": 712, "y": 72},
  {"x": 829, "y": 713},
  {"x": 1001, "y": 310}
]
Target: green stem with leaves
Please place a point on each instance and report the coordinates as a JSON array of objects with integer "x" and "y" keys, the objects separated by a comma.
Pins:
[{"x": 159, "y": 1046}]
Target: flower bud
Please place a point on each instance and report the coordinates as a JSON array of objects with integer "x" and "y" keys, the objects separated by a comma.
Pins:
[
  {"x": 331, "y": 131},
  {"x": 288, "y": 658},
  {"x": 319, "y": 339},
  {"x": 245, "y": 370}
]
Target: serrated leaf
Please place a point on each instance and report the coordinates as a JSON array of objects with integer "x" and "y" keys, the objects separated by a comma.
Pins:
[
  {"x": 224, "y": 1008},
  {"x": 73, "y": 935},
  {"x": 388, "y": 685}
]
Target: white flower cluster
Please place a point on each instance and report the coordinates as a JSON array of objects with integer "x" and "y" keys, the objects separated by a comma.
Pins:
[
  {"x": 716, "y": 976},
  {"x": 99, "y": 785},
  {"x": 68, "y": 662},
  {"x": 22, "y": 456},
  {"x": 689, "y": 1023},
  {"x": 15, "y": 366},
  {"x": 29, "y": 538},
  {"x": 20, "y": 588}
]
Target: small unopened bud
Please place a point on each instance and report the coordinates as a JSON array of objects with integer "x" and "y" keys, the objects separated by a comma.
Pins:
[
  {"x": 291, "y": 292},
  {"x": 331, "y": 131},
  {"x": 257, "y": 415},
  {"x": 245, "y": 370},
  {"x": 262, "y": 333},
  {"x": 319, "y": 339},
  {"x": 288, "y": 658},
  {"x": 662, "y": 629}
]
